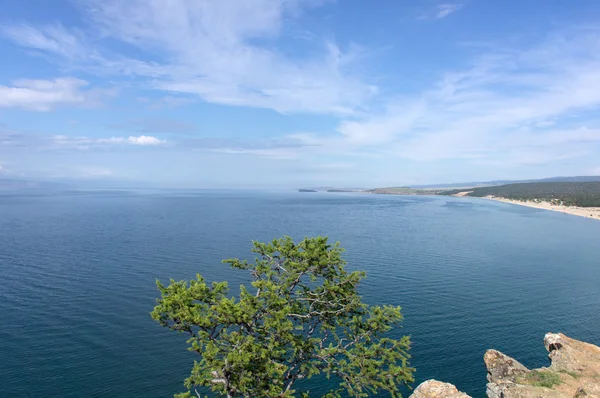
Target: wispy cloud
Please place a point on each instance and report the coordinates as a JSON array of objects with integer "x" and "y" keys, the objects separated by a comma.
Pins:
[
  {"x": 286, "y": 148},
  {"x": 54, "y": 40},
  {"x": 145, "y": 140},
  {"x": 86, "y": 143},
  {"x": 508, "y": 107},
  {"x": 12, "y": 140},
  {"x": 443, "y": 10},
  {"x": 208, "y": 50},
  {"x": 45, "y": 95},
  {"x": 166, "y": 102},
  {"x": 513, "y": 107}
]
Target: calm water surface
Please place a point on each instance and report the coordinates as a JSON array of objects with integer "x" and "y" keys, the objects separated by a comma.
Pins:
[{"x": 78, "y": 274}]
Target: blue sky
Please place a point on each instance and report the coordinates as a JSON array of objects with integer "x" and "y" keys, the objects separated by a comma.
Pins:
[{"x": 287, "y": 93}]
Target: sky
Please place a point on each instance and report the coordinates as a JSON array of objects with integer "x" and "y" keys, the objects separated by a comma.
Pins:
[{"x": 298, "y": 93}]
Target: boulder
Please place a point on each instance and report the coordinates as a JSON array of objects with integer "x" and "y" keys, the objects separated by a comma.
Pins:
[
  {"x": 572, "y": 356},
  {"x": 588, "y": 389},
  {"x": 501, "y": 367},
  {"x": 437, "y": 389}
]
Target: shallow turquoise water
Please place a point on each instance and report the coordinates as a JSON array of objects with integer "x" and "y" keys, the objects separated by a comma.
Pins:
[{"x": 78, "y": 269}]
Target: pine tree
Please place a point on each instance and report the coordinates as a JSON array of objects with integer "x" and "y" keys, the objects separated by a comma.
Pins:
[{"x": 302, "y": 317}]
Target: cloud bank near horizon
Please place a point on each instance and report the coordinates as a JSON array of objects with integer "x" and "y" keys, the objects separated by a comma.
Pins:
[{"x": 287, "y": 87}]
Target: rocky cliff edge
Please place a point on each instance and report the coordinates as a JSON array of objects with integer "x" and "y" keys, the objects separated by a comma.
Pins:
[{"x": 574, "y": 373}]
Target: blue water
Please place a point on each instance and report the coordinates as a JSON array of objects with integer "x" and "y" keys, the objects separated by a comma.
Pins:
[{"x": 78, "y": 271}]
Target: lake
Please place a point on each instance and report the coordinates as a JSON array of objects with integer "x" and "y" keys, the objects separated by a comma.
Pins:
[{"x": 78, "y": 273}]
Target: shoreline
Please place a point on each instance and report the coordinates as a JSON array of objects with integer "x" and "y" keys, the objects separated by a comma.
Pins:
[{"x": 587, "y": 212}]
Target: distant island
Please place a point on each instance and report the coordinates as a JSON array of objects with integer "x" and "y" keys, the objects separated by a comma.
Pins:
[{"x": 307, "y": 190}]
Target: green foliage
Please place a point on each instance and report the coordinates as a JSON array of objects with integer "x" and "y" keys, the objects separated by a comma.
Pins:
[
  {"x": 582, "y": 194},
  {"x": 540, "y": 378},
  {"x": 302, "y": 317}
]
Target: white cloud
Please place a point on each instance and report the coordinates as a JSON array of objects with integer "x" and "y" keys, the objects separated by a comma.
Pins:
[
  {"x": 87, "y": 143},
  {"x": 210, "y": 49},
  {"x": 510, "y": 108},
  {"x": 45, "y": 95},
  {"x": 168, "y": 101},
  {"x": 52, "y": 39},
  {"x": 443, "y": 10},
  {"x": 268, "y": 153},
  {"x": 145, "y": 140}
]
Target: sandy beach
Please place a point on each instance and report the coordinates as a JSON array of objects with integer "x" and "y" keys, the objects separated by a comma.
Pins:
[{"x": 589, "y": 212}]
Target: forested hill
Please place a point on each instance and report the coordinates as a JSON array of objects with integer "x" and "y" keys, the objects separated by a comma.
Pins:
[{"x": 583, "y": 194}]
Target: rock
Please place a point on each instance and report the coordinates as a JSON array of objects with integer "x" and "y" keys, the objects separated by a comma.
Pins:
[
  {"x": 514, "y": 390},
  {"x": 574, "y": 373},
  {"x": 588, "y": 389},
  {"x": 570, "y": 355},
  {"x": 437, "y": 389},
  {"x": 501, "y": 367}
]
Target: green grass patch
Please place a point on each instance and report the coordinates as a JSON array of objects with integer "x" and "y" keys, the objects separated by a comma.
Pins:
[{"x": 540, "y": 378}]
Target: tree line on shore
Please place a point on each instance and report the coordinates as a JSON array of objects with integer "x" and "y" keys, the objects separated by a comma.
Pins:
[{"x": 582, "y": 194}]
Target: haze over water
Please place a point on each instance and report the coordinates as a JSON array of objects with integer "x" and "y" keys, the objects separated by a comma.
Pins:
[{"x": 78, "y": 274}]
